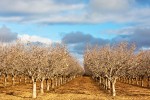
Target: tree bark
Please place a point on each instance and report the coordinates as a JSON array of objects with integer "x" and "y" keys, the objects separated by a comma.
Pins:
[
  {"x": 74, "y": 76},
  {"x": 56, "y": 81},
  {"x": 25, "y": 79},
  {"x": 52, "y": 83},
  {"x": 61, "y": 80},
  {"x": 125, "y": 80},
  {"x": 100, "y": 80},
  {"x": 20, "y": 80},
  {"x": 128, "y": 80},
  {"x": 109, "y": 87},
  {"x": 142, "y": 82},
  {"x": 13, "y": 80},
  {"x": 5, "y": 81},
  {"x": 137, "y": 83},
  {"x": 131, "y": 80},
  {"x": 42, "y": 86},
  {"x": 34, "y": 89},
  {"x": 64, "y": 81},
  {"x": 47, "y": 85},
  {"x": 113, "y": 87},
  {"x": 106, "y": 85}
]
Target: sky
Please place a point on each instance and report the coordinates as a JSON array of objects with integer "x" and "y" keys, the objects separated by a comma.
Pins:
[{"x": 76, "y": 23}]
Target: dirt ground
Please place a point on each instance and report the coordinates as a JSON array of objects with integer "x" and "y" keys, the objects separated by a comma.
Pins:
[{"x": 82, "y": 88}]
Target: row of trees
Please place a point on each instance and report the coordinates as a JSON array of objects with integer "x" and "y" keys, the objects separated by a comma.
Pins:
[
  {"x": 137, "y": 75},
  {"x": 108, "y": 63},
  {"x": 38, "y": 62}
]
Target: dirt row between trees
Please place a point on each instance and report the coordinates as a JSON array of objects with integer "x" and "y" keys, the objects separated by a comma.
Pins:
[{"x": 82, "y": 88}]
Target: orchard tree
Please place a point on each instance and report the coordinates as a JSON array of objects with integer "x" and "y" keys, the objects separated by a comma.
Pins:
[{"x": 110, "y": 62}]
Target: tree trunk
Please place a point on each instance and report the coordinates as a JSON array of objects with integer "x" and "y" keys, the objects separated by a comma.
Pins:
[
  {"x": 131, "y": 80},
  {"x": 93, "y": 77},
  {"x": 142, "y": 82},
  {"x": 74, "y": 76},
  {"x": 122, "y": 80},
  {"x": 52, "y": 83},
  {"x": 5, "y": 81},
  {"x": 109, "y": 87},
  {"x": 30, "y": 80},
  {"x": 42, "y": 88},
  {"x": 25, "y": 79},
  {"x": 13, "y": 80},
  {"x": 113, "y": 87},
  {"x": 137, "y": 83},
  {"x": 125, "y": 80},
  {"x": 58, "y": 81},
  {"x": 61, "y": 80},
  {"x": 64, "y": 81},
  {"x": 20, "y": 80},
  {"x": 47, "y": 85},
  {"x": 34, "y": 89},
  {"x": 100, "y": 80},
  {"x": 106, "y": 85},
  {"x": 128, "y": 80},
  {"x": 56, "y": 84}
]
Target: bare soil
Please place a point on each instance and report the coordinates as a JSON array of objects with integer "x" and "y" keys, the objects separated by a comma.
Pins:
[{"x": 81, "y": 88}]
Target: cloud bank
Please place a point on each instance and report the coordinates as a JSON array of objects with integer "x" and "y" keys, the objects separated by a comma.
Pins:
[
  {"x": 78, "y": 41},
  {"x": 138, "y": 35},
  {"x": 75, "y": 11},
  {"x": 34, "y": 39},
  {"x": 6, "y": 35}
]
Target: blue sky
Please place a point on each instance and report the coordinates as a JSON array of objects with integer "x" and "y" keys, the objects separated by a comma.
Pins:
[{"x": 86, "y": 21}]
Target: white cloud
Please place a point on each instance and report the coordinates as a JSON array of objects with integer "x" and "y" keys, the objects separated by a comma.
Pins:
[
  {"x": 7, "y": 36},
  {"x": 39, "y": 11},
  {"x": 110, "y": 6},
  {"x": 11, "y": 19},
  {"x": 35, "y": 6},
  {"x": 27, "y": 38},
  {"x": 53, "y": 12}
]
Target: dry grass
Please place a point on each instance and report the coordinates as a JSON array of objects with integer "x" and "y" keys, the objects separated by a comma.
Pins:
[{"x": 82, "y": 88}]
